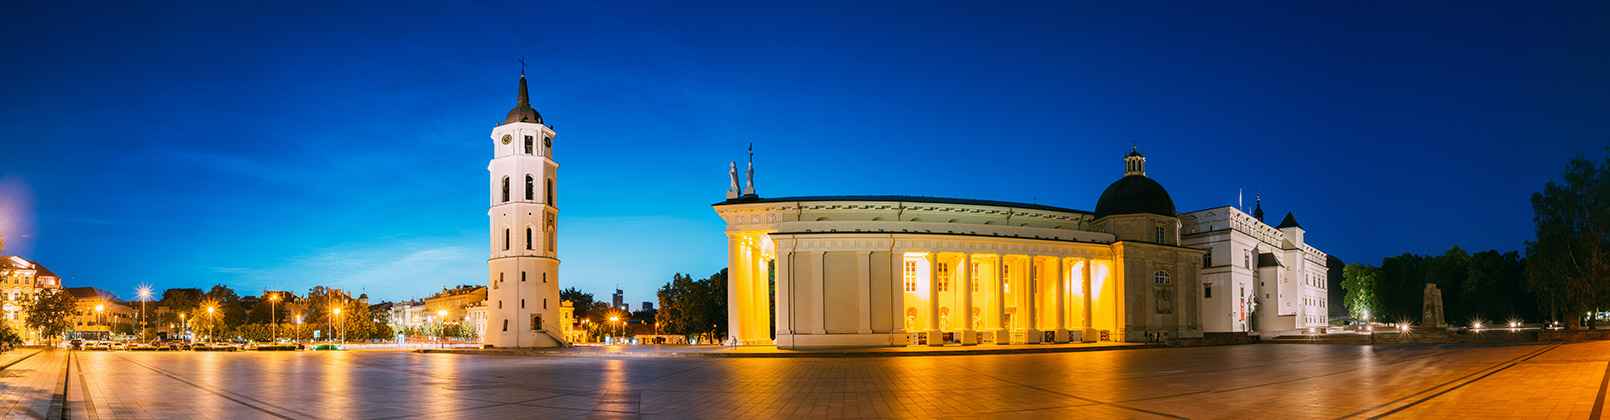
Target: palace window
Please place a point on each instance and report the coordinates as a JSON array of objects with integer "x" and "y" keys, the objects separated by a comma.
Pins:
[
  {"x": 1207, "y": 259},
  {"x": 1207, "y": 291},
  {"x": 911, "y": 276},
  {"x": 1159, "y": 234},
  {"x": 505, "y": 189},
  {"x": 1161, "y": 277},
  {"x": 944, "y": 277},
  {"x": 974, "y": 274},
  {"x": 1247, "y": 259},
  {"x": 528, "y": 142},
  {"x": 530, "y": 188}
]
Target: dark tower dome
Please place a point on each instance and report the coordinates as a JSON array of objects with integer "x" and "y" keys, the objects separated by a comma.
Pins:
[
  {"x": 522, "y": 111},
  {"x": 1135, "y": 193}
]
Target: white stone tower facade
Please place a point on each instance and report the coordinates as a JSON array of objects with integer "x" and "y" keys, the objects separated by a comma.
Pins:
[{"x": 523, "y": 290}]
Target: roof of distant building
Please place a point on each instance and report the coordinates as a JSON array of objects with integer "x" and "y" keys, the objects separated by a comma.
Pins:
[
  {"x": 1290, "y": 221},
  {"x": 1268, "y": 260},
  {"x": 901, "y": 198},
  {"x": 93, "y": 293}
]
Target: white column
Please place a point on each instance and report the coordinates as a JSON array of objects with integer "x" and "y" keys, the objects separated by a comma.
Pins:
[
  {"x": 897, "y": 304},
  {"x": 998, "y": 325},
  {"x": 863, "y": 262},
  {"x": 817, "y": 321},
  {"x": 761, "y": 294},
  {"x": 1089, "y": 335},
  {"x": 969, "y": 336},
  {"x": 1031, "y": 288},
  {"x": 736, "y": 290},
  {"x": 934, "y": 337},
  {"x": 1060, "y": 299}
]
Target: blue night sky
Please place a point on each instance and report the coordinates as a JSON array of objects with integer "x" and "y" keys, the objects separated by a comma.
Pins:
[{"x": 333, "y": 143}]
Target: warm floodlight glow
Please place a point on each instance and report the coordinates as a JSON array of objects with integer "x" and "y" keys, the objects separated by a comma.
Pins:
[
  {"x": 442, "y": 314},
  {"x": 209, "y": 310},
  {"x": 336, "y": 311},
  {"x": 144, "y": 292},
  {"x": 1476, "y": 325},
  {"x": 99, "y": 308},
  {"x": 614, "y": 318}
]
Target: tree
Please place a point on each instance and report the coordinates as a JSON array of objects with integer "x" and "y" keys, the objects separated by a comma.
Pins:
[
  {"x": 578, "y": 300},
  {"x": 9, "y": 335},
  {"x": 48, "y": 313},
  {"x": 1360, "y": 283},
  {"x": 1568, "y": 266},
  {"x": 695, "y": 308}
]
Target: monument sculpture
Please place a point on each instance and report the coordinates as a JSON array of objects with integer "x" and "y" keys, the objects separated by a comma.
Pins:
[{"x": 1431, "y": 316}]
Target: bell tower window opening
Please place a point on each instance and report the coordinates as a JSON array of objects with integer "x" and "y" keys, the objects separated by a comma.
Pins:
[
  {"x": 529, "y": 141},
  {"x": 505, "y": 239},
  {"x": 549, "y": 192},
  {"x": 528, "y": 245},
  {"x": 530, "y": 188},
  {"x": 505, "y": 189}
]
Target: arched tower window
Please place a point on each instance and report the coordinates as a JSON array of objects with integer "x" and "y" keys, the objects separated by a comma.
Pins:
[
  {"x": 505, "y": 189},
  {"x": 530, "y": 188},
  {"x": 528, "y": 142},
  {"x": 1161, "y": 277},
  {"x": 549, "y": 192},
  {"x": 528, "y": 237},
  {"x": 505, "y": 239}
]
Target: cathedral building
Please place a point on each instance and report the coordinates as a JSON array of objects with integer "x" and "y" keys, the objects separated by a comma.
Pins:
[
  {"x": 863, "y": 271},
  {"x": 522, "y": 297}
]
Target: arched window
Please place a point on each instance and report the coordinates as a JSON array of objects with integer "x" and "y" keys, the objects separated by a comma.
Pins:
[
  {"x": 505, "y": 239},
  {"x": 530, "y": 188},
  {"x": 549, "y": 192},
  {"x": 528, "y": 238},
  {"x": 505, "y": 325},
  {"x": 528, "y": 142},
  {"x": 1162, "y": 277},
  {"x": 505, "y": 189}
]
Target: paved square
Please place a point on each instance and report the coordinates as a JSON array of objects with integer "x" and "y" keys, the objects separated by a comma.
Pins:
[{"x": 1254, "y": 381}]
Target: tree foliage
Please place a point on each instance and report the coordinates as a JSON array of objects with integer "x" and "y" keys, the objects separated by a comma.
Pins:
[
  {"x": 49, "y": 311},
  {"x": 1568, "y": 266},
  {"x": 694, "y": 308},
  {"x": 1486, "y": 286},
  {"x": 1359, "y": 283}
]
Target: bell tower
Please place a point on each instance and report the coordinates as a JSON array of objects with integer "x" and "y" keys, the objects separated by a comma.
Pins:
[{"x": 523, "y": 284}]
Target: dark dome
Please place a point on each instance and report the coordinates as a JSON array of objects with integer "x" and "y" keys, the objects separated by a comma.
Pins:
[
  {"x": 1135, "y": 194},
  {"x": 522, "y": 111}
]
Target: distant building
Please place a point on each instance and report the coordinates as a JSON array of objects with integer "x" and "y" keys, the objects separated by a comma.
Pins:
[
  {"x": 17, "y": 287},
  {"x": 620, "y": 299},
  {"x": 648, "y": 306},
  {"x": 98, "y": 311},
  {"x": 848, "y": 271}
]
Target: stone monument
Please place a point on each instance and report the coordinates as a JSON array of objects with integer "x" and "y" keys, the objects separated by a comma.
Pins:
[{"x": 1431, "y": 316}]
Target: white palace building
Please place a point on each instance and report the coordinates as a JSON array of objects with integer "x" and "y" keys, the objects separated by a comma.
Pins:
[{"x": 865, "y": 271}]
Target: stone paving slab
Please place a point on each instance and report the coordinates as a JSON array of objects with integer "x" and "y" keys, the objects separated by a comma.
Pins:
[
  {"x": 1252, "y": 381},
  {"x": 681, "y": 351}
]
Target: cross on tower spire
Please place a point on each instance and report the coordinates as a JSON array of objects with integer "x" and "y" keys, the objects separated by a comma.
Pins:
[{"x": 522, "y": 66}]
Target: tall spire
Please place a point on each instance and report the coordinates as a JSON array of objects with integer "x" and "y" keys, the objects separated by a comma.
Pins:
[
  {"x": 522, "y": 111},
  {"x": 1258, "y": 212}
]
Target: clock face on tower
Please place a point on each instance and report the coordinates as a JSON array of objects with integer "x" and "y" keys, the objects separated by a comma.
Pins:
[
  {"x": 507, "y": 138},
  {"x": 547, "y": 142}
]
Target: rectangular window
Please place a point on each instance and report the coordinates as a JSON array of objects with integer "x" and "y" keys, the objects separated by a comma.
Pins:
[
  {"x": 975, "y": 277},
  {"x": 911, "y": 276},
  {"x": 1207, "y": 291},
  {"x": 1006, "y": 275},
  {"x": 1159, "y": 234},
  {"x": 944, "y": 277}
]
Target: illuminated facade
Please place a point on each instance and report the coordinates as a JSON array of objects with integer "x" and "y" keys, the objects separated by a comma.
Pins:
[
  {"x": 899, "y": 270},
  {"x": 99, "y": 311},
  {"x": 17, "y": 288},
  {"x": 523, "y": 283},
  {"x": 1256, "y": 276}
]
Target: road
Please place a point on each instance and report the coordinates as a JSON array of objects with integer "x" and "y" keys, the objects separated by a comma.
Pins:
[{"x": 1285, "y": 381}]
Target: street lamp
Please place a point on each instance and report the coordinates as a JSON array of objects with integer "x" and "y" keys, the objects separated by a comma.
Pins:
[
  {"x": 98, "y": 322},
  {"x": 145, "y": 295},
  {"x": 299, "y": 328},
  {"x": 441, "y": 327},
  {"x": 272, "y": 319},
  {"x": 210, "y": 322},
  {"x": 334, "y": 313},
  {"x": 184, "y": 324}
]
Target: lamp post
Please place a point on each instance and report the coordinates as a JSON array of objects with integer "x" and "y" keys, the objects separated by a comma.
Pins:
[
  {"x": 298, "y": 328},
  {"x": 334, "y": 313},
  {"x": 272, "y": 319},
  {"x": 210, "y": 323},
  {"x": 614, "y": 320},
  {"x": 145, "y": 295},
  {"x": 441, "y": 327},
  {"x": 184, "y": 325},
  {"x": 98, "y": 322}
]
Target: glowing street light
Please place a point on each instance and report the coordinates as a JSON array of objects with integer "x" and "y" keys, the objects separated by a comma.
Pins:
[
  {"x": 210, "y": 322},
  {"x": 98, "y": 309},
  {"x": 145, "y": 295},
  {"x": 272, "y": 300}
]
